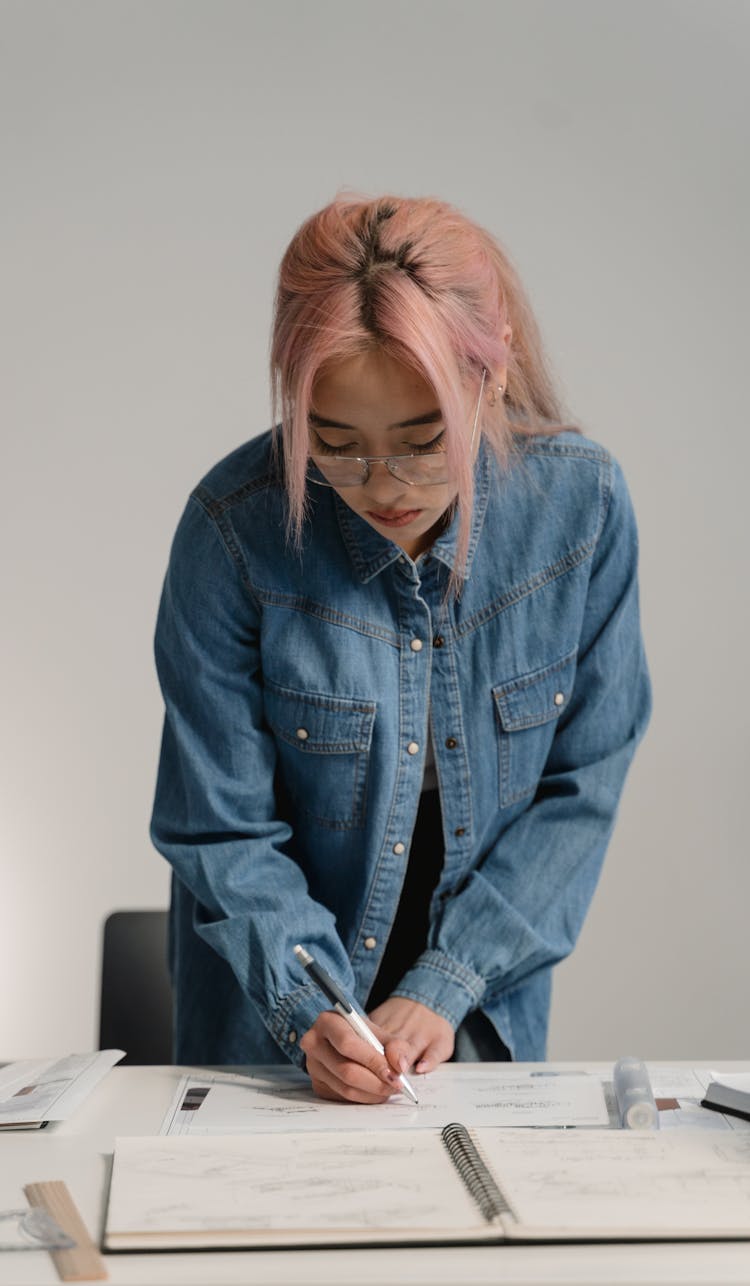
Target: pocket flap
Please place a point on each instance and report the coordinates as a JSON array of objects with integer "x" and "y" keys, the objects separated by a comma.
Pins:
[
  {"x": 317, "y": 723},
  {"x": 536, "y": 697}
]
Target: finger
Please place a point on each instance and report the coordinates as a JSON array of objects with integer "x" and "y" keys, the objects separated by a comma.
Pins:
[
  {"x": 353, "y": 1048},
  {"x": 345, "y": 1062},
  {"x": 400, "y": 1050},
  {"x": 438, "y": 1051},
  {"x": 329, "y": 1085},
  {"x": 400, "y": 1053}
]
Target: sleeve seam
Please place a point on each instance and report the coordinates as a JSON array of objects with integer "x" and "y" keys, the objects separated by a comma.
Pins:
[
  {"x": 605, "y": 504},
  {"x": 229, "y": 543}
]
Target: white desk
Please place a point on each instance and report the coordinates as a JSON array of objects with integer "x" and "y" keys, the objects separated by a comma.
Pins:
[{"x": 133, "y": 1100}]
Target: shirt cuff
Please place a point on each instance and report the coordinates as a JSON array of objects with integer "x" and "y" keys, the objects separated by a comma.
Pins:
[
  {"x": 294, "y": 1016},
  {"x": 442, "y": 984}
]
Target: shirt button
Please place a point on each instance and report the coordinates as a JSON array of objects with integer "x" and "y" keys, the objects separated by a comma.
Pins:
[
  {"x": 303, "y": 734},
  {"x": 416, "y": 645},
  {"x": 399, "y": 848},
  {"x": 413, "y": 748},
  {"x": 438, "y": 640},
  {"x": 459, "y": 831},
  {"x": 559, "y": 698},
  {"x": 370, "y": 943},
  {"x": 292, "y": 1037},
  {"x": 450, "y": 743}
]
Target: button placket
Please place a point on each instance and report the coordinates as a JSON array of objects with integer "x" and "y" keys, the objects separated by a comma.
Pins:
[
  {"x": 414, "y": 669},
  {"x": 453, "y": 761}
]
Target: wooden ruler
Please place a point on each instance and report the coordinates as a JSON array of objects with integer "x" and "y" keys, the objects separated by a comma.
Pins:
[{"x": 82, "y": 1262}]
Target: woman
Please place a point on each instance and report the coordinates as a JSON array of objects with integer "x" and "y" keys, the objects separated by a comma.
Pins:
[{"x": 401, "y": 659}]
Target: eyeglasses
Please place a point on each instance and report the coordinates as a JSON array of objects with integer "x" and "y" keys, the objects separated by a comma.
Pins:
[{"x": 425, "y": 469}]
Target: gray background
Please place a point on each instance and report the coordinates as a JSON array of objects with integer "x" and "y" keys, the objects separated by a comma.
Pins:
[{"x": 156, "y": 159}]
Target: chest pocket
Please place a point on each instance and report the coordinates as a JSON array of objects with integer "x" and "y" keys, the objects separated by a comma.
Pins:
[
  {"x": 324, "y": 746},
  {"x": 528, "y": 708}
]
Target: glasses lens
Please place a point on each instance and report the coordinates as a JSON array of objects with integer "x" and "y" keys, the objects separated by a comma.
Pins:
[
  {"x": 416, "y": 470},
  {"x": 336, "y": 472},
  {"x": 420, "y": 470}
]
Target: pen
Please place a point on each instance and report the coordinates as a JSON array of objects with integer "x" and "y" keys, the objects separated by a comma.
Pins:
[{"x": 345, "y": 1007}]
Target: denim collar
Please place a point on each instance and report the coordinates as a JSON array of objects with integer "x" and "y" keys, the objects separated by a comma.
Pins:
[{"x": 371, "y": 553}]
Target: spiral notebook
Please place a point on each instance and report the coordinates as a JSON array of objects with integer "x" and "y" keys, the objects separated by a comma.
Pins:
[{"x": 426, "y": 1187}]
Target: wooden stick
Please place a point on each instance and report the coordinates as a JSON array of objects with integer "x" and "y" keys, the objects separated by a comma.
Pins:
[{"x": 82, "y": 1262}]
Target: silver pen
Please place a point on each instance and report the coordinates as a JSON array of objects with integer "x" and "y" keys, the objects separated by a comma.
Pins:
[{"x": 344, "y": 1006}]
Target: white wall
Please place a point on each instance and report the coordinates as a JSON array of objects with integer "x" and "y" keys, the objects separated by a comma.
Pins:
[{"x": 157, "y": 155}]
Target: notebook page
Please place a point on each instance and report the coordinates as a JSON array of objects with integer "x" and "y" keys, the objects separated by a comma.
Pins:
[
  {"x": 623, "y": 1179},
  {"x": 196, "y": 1185}
]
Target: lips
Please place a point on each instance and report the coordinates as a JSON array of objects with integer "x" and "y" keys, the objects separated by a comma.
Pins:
[{"x": 394, "y": 517}]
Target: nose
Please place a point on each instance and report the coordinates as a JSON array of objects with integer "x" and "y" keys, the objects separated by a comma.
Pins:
[{"x": 382, "y": 490}]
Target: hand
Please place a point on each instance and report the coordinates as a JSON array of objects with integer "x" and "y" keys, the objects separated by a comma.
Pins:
[
  {"x": 430, "y": 1038},
  {"x": 342, "y": 1065}
]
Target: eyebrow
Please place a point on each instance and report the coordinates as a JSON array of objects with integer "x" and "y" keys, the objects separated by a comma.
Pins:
[{"x": 429, "y": 417}]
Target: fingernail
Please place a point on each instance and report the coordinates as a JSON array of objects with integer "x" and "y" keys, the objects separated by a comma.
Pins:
[{"x": 403, "y": 1063}]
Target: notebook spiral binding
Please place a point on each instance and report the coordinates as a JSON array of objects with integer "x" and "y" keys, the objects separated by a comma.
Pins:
[{"x": 472, "y": 1169}]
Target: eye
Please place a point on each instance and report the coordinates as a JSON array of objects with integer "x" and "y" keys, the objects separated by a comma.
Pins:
[
  {"x": 325, "y": 448},
  {"x": 427, "y": 446}
]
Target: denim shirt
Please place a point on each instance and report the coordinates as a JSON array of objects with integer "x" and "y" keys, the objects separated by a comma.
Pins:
[{"x": 297, "y": 687}]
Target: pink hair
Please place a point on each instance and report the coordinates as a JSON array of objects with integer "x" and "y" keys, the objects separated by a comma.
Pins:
[{"x": 415, "y": 277}]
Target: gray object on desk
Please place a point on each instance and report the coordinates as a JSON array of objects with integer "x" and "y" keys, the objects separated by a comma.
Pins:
[{"x": 635, "y": 1097}]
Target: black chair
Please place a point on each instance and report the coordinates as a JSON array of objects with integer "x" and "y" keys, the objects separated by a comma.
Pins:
[{"x": 135, "y": 1012}]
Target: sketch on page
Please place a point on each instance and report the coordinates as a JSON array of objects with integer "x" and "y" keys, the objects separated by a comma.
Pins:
[
  {"x": 600, "y": 1178},
  {"x": 339, "y": 1182},
  {"x": 281, "y": 1099}
]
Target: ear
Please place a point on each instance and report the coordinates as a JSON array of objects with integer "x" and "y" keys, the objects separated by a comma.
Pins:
[
  {"x": 500, "y": 374},
  {"x": 497, "y": 376}
]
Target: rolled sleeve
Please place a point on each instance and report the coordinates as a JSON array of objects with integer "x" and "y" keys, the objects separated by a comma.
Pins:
[{"x": 214, "y": 816}]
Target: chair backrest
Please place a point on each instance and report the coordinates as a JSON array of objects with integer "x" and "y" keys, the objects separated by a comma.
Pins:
[{"x": 135, "y": 1012}]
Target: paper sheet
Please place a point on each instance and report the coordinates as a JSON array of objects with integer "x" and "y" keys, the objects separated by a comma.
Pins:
[
  {"x": 33, "y": 1091},
  {"x": 733, "y": 1080},
  {"x": 687, "y": 1086},
  {"x": 281, "y": 1099}
]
